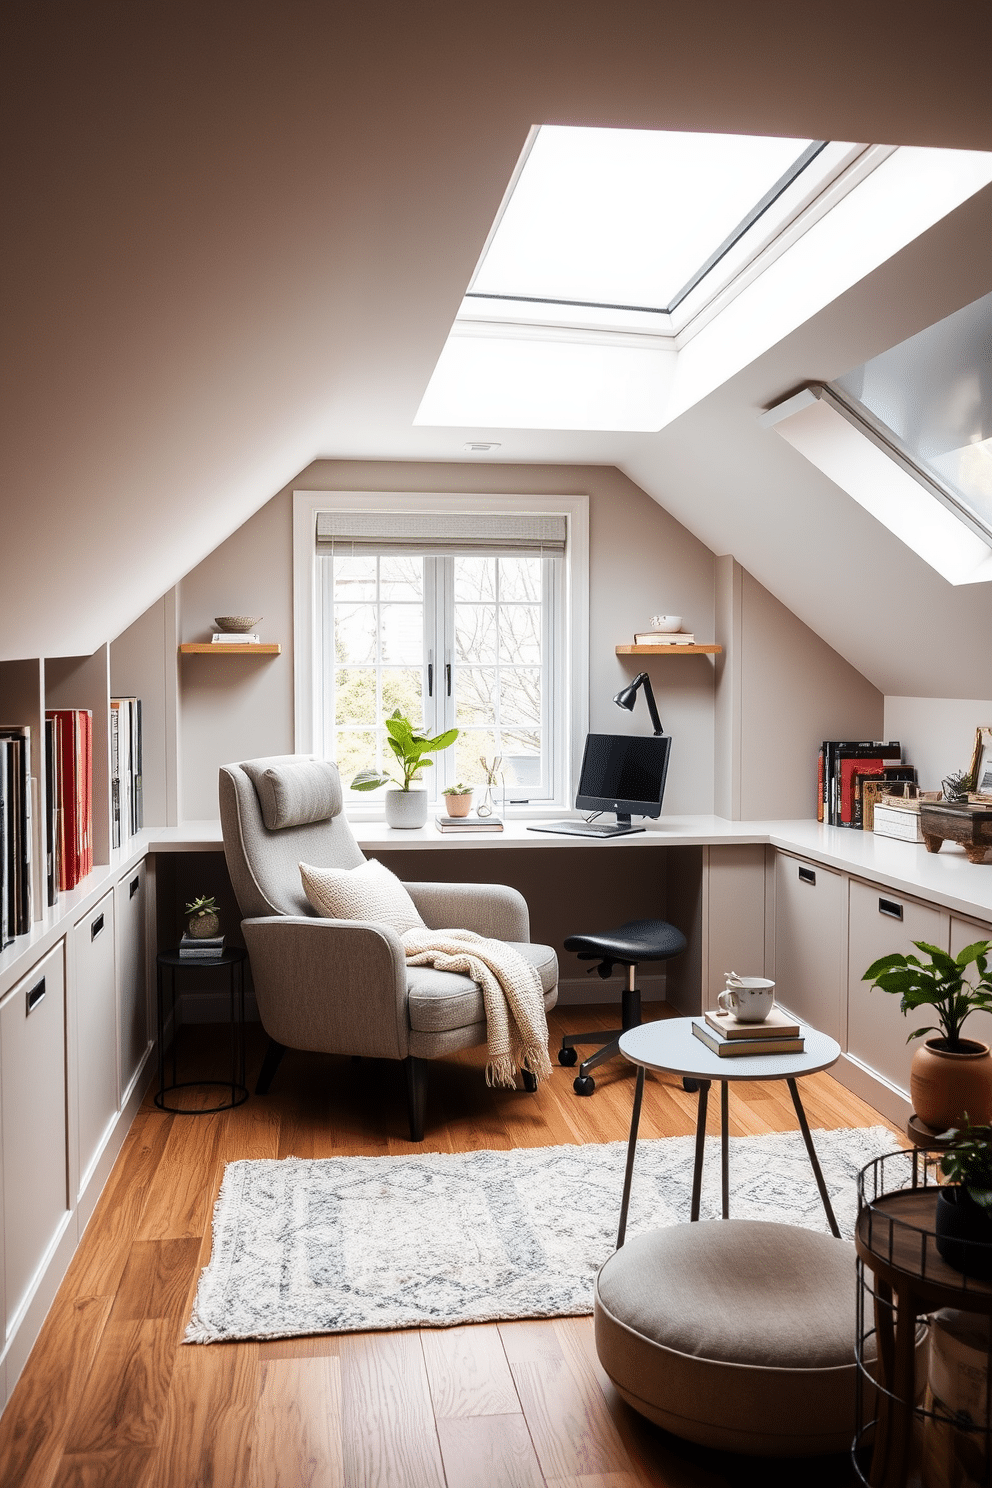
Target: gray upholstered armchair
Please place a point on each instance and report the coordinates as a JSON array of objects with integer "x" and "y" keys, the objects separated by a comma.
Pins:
[{"x": 343, "y": 986}]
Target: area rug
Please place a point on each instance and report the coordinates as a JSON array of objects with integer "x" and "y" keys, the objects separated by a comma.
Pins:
[{"x": 350, "y": 1243}]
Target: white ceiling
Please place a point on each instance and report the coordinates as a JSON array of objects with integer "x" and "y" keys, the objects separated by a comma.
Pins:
[{"x": 238, "y": 235}]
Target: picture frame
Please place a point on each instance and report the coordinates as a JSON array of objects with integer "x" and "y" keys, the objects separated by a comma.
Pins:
[{"x": 981, "y": 764}]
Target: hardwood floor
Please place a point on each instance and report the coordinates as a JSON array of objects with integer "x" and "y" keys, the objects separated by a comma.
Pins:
[{"x": 111, "y": 1396}]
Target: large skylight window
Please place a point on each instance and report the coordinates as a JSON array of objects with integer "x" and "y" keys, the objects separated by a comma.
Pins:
[{"x": 630, "y": 218}]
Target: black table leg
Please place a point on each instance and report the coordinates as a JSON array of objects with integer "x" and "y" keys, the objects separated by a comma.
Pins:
[
  {"x": 817, "y": 1174},
  {"x": 635, "y": 1119},
  {"x": 725, "y": 1147},
  {"x": 697, "y": 1168}
]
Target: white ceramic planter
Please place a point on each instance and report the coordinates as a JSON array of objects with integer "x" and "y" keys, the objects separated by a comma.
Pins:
[{"x": 406, "y": 808}]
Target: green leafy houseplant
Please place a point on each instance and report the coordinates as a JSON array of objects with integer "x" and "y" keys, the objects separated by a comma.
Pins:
[
  {"x": 968, "y": 1162},
  {"x": 942, "y": 985},
  {"x": 458, "y": 790},
  {"x": 410, "y": 749},
  {"x": 205, "y": 905},
  {"x": 963, "y": 1217}
]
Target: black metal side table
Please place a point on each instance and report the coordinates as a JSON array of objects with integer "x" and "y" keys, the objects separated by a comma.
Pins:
[{"x": 233, "y": 959}]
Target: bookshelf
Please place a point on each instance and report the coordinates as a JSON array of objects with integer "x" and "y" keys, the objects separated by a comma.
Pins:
[
  {"x": 198, "y": 648},
  {"x": 669, "y": 650}
]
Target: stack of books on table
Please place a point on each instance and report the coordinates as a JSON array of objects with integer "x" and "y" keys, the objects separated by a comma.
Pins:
[
  {"x": 205, "y": 948},
  {"x": 236, "y": 638},
  {"x": 722, "y": 1033},
  {"x": 468, "y": 824},
  {"x": 664, "y": 638}
]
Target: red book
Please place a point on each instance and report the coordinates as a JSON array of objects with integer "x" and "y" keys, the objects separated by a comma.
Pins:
[
  {"x": 65, "y": 755},
  {"x": 86, "y": 794},
  {"x": 848, "y": 769}
]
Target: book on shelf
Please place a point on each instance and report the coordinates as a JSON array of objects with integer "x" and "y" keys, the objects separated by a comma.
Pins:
[
  {"x": 869, "y": 787},
  {"x": 51, "y": 815},
  {"x": 744, "y": 1048},
  {"x": 776, "y": 1025},
  {"x": 73, "y": 729},
  {"x": 468, "y": 823},
  {"x": 201, "y": 948},
  {"x": 838, "y": 762},
  {"x": 127, "y": 813},
  {"x": 235, "y": 638},
  {"x": 15, "y": 744},
  {"x": 664, "y": 638}
]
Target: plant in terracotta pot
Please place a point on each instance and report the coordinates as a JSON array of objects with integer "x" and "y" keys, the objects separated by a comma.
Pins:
[
  {"x": 964, "y": 1203},
  {"x": 204, "y": 918},
  {"x": 950, "y": 1074},
  {"x": 458, "y": 799},
  {"x": 405, "y": 807}
]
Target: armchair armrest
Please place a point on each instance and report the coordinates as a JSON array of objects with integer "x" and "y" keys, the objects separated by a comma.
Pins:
[
  {"x": 335, "y": 986},
  {"x": 493, "y": 910}
]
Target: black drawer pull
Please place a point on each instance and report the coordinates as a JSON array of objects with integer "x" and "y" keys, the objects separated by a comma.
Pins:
[
  {"x": 135, "y": 886},
  {"x": 891, "y": 908},
  {"x": 806, "y": 875},
  {"x": 36, "y": 995},
  {"x": 97, "y": 927}
]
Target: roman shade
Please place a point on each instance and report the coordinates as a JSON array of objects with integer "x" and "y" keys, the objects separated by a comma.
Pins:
[{"x": 435, "y": 534}]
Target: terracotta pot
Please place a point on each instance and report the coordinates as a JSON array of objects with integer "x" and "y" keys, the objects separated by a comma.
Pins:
[
  {"x": 201, "y": 926},
  {"x": 458, "y": 805},
  {"x": 945, "y": 1084}
]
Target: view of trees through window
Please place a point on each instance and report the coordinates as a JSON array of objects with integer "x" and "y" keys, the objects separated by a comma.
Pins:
[{"x": 455, "y": 641}]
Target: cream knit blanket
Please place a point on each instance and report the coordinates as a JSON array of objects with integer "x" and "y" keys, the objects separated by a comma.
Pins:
[{"x": 516, "y": 1025}]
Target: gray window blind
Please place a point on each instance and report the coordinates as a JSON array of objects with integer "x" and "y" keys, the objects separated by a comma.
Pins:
[{"x": 436, "y": 534}]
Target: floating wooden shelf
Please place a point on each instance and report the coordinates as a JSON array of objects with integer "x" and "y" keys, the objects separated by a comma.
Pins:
[
  {"x": 669, "y": 650},
  {"x": 197, "y": 648}
]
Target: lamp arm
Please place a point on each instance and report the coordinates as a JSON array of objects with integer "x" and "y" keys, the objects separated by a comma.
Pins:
[{"x": 652, "y": 706}]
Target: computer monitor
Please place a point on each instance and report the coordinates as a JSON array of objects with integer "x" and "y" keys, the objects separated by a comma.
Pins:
[{"x": 625, "y": 773}]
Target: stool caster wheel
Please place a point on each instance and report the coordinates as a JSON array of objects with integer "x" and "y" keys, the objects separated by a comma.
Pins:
[
  {"x": 584, "y": 1085},
  {"x": 567, "y": 1057}
]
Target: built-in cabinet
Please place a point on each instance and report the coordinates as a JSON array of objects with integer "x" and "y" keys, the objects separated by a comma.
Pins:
[
  {"x": 809, "y": 965},
  {"x": 94, "y": 1014},
  {"x": 132, "y": 997}
]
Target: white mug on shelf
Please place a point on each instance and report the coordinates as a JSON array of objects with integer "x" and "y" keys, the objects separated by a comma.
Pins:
[{"x": 750, "y": 999}]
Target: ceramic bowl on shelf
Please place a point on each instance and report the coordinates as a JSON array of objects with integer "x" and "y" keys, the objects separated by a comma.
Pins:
[
  {"x": 236, "y": 624},
  {"x": 666, "y": 623}
]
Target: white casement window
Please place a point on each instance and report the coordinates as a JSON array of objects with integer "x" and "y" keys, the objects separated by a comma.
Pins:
[{"x": 458, "y": 618}]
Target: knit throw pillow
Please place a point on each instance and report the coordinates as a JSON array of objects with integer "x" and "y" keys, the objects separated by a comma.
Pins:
[{"x": 368, "y": 892}]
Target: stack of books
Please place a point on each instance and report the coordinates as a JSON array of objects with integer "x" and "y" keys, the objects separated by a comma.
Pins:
[
  {"x": 844, "y": 767},
  {"x": 236, "y": 638},
  {"x": 728, "y": 1038},
  {"x": 468, "y": 824},
  {"x": 16, "y": 832},
  {"x": 664, "y": 638},
  {"x": 127, "y": 812},
  {"x": 204, "y": 948},
  {"x": 71, "y": 745}
]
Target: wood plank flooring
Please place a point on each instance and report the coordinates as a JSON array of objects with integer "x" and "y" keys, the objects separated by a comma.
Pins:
[{"x": 111, "y": 1396}]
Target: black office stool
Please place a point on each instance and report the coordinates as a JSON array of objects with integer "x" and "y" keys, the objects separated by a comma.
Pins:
[{"x": 628, "y": 945}]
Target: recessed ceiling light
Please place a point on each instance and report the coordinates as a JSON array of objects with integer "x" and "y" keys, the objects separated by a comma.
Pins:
[{"x": 478, "y": 447}]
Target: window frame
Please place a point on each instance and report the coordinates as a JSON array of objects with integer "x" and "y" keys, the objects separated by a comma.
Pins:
[{"x": 569, "y": 663}]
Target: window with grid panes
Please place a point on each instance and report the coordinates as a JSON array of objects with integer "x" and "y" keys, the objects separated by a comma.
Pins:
[{"x": 464, "y": 640}]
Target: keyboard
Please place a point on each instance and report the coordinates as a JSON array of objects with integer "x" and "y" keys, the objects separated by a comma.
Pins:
[{"x": 585, "y": 829}]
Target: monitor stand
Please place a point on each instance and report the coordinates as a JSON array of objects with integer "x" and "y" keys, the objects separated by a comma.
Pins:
[{"x": 621, "y": 828}]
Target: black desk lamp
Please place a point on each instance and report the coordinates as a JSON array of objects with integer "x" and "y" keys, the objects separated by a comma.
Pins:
[{"x": 628, "y": 697}]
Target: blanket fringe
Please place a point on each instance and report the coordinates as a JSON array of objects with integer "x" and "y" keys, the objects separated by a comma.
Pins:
[
  {"x": 501, "y": 1072},
  {"x": 536, "y": 1061}
]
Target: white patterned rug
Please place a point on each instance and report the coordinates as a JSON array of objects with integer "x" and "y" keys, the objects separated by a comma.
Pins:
[{"x": 350, "y": 1243}]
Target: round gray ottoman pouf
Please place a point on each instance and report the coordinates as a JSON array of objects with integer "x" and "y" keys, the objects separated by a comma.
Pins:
[{"x": 734, "y": 1333}]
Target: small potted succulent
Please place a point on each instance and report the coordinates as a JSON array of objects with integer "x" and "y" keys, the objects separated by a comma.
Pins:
[
  {"x": 964, "y": 1204},
  {"x": 950, "y": 1074},
  {"x": 458, "y": 799},
  {"x": 405, "y": 807},
  {"x": 204, "y": 918}
]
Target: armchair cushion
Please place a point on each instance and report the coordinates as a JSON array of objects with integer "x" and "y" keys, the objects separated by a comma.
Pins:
[
  {"x": 294, "y": 792},
  {"x": 443, "y": 1000},
  {"x": 368, "y": 892}
]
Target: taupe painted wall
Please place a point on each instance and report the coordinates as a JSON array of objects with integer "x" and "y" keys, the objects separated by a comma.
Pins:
[{"x": 641, "y": 562}]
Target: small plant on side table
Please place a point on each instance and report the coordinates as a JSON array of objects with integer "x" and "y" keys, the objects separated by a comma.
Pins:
[
  {"x": 204, "y": 917},
  {"x": 950, "y": 1073},
  {"x": 964, "y": 1205}
]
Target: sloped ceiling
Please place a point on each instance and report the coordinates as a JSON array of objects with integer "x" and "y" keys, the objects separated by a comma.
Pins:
[{"x": 237, "y": 235}]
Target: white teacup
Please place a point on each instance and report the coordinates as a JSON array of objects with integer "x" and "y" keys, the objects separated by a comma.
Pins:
[{"x": 750, "y": 999}]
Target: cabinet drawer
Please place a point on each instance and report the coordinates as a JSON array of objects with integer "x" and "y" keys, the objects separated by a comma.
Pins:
[
  {"x": 33, "y": 1097},
  {"x": 882, "y": 922},
  {"x": 132, "y": 1002},
  {"x": 809, "y": 944},
  {"x": 95, "y": 997}
]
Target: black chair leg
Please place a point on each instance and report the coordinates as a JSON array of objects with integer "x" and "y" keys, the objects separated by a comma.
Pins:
[
  {"x": 270, "y": 1064},
  {"x": 530, "y": 1081},
  {"x": 416, "y": 1095}
]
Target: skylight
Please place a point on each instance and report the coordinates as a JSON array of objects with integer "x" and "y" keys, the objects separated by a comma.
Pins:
[{"x": 630, "y": 218}]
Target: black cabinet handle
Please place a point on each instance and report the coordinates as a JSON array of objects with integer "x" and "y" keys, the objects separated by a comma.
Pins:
[
  {"x": 430, "y": 679},
  {"x": 36, "y": 995},
  {"x": 806, "y": 875},
  {"x": 135, "y": 886},
  {"x": 891, "y": 908},
  {"x": 97, "y": 927},
  {"x": 447, "y": 677}
]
